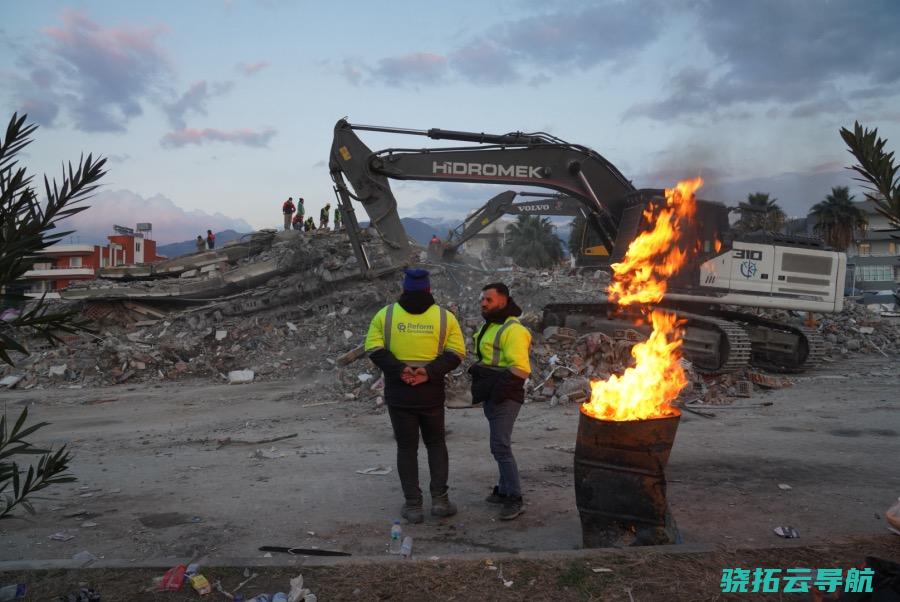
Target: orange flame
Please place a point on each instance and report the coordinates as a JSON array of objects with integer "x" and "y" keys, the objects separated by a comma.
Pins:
[{"x": 647, "y": 389}]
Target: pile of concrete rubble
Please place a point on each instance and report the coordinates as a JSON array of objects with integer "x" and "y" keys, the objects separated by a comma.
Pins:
[{"x": 285, "y": 305}]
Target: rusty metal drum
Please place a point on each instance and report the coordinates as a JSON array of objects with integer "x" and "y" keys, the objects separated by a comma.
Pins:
[{"x": 620, "y": 482}]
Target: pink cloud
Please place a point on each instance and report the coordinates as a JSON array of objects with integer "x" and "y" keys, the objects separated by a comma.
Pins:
[
  {"x": 252, "y": 68},
  {"x": 171, "y": 223},
  {"x": 245, "y": 136},
  {"x": 106, "y": 72}
]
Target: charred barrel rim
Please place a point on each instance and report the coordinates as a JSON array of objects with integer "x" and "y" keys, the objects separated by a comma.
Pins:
[{"x": 620, "y": 484}]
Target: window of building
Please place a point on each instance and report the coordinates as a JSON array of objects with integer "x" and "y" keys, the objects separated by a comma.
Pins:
[
  {"x": 874, "y": 273},
  {"x": 43, "y": 266},
  {"x": 103, "y": 262},
  {"x": 137, "y": 247},
  {"x": 892, "y": 248},
  {"x": 865, "y": 248},
  {"x": 74, "y": 262}
]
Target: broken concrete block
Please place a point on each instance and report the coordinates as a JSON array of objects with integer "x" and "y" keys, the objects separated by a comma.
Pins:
[
  {"x": 189, "y": 274},
  {"x": 852, "y": 344},
  {"x": 292, "y": 327},
  {"x": 11, "y": 381},
  {"x": 57, "y": 371},
  {"x": 221, "y": 334},
  {"x": 240, "y": 377},
  {"x": 559, "y": 333}
]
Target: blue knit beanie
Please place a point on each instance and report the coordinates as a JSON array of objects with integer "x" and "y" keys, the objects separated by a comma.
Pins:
[{"x": 416, "y": 280}]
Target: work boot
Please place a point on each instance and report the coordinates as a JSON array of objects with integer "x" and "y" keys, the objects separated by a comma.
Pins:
[
  {"x": 512, "y": 507},
  {"x": 441, "y": 504},
  {"x": 412, "y": 511},
  {"x": 495, "y": 497}
]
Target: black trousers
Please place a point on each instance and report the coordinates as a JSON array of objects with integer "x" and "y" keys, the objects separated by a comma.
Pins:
[{"x": 407, "y": 423}]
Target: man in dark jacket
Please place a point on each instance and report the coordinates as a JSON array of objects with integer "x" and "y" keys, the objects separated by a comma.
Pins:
[
  {"x": 416, "y": 343},
  {"x": 498, "y": 381}
]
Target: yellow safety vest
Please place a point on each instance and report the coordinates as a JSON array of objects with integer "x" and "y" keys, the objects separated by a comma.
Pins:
[
  {"x": 415, "y": 338},
  {"x": 492, "y": 353}
]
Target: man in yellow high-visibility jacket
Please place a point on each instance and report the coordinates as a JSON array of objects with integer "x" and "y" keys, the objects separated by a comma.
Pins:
[
  {"x": 416, "y": 343},
  {"x": 498, "y": 381}
]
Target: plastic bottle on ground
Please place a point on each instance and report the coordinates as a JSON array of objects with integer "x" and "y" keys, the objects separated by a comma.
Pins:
[
  {"x": 396, "y": 538},
  {"x": 406, "y": 548},
  {"x": 280, "y": 597}
]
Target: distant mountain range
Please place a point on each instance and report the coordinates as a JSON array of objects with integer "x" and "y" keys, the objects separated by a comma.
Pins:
[
  {"x": 175, "y": 249},
  {"x": 419, "y": 229}
]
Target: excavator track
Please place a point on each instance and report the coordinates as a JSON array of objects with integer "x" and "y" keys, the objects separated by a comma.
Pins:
[
  {"x": 779, "y": 347},
  {"x": 714, "y": 345}
]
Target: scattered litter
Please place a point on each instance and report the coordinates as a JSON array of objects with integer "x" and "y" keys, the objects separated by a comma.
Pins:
[
  {"x": 407, "y": 547},
  {"x": 85, "y": 594},
  {"x": 248, "y": 577},
  {"x": 569, "y": 449},
  {"x": 784, "y": 487},
  {"x": 201, "y": 585},
  {"x": 84, "y": 558},
  {"x": 88, "y": 524},
  {"x": 172, "y": 579},
  {"x": 61, "y": 536},
  {"x": 13, "y": 592},
  {"x": 786, "y": 532},
  {"x": 365, "y": 377},
  {"x": 375, "y": 470},
  {"x": 893, "y": 515},
  {"x": 267, "y": 454},
  {"x": 602, "y": 570}
]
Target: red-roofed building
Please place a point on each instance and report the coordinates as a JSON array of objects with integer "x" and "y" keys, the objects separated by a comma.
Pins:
[{"x": 60, "y": 264}]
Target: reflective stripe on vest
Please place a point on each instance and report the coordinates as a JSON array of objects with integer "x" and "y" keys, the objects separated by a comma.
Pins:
[
  {"x": 389, "y": 323},
  {"x": 495, "y": 345}
]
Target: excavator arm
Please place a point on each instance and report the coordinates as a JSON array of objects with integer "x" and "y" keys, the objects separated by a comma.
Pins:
[
  {"x": 503, "y": 204},
  {"x": 538, "y": 160}
]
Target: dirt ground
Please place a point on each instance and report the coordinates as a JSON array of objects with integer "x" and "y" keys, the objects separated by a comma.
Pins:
[{"x": 171, "y": 470}]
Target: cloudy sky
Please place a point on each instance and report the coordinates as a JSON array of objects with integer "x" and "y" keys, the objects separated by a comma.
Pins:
[{"x": 216, "y": 111}]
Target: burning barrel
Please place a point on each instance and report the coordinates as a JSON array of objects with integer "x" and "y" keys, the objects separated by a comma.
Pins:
[{"x": 620, "y": 483}]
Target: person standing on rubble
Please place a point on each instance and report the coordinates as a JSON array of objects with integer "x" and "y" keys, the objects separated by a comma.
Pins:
[
  {"x": 323, "y": 216},
  {"x": 416, "y": 343},
  {"x": 210, "y": 239},
  {"x": 287, "y": 209},
  {"x": 301, "y": 211},
  {"x": 338, "y": 219},
  {"x": 201, "y": 244},
  {"x": 498, "y": 381},
  {"x": 309, "y": 225}
]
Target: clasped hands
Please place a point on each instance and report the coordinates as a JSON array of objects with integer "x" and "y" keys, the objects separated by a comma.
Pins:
[{"x": 414, "y": 376}]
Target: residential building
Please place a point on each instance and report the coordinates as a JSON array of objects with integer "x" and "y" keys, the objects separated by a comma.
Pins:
[
  {"x": 61, "y": 264},
  {"x": 492, "y": 236},
  {"x": 874, "y": 255}
]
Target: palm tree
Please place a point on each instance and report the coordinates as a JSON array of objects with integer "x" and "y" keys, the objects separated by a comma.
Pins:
[
  {"x": 531, "y": 242},
  {"x": 877, "y": 169},
  {"x": 837, "y": 218},
  {"x": 577, "y": 232},
  {"x": 760, "y": 213}
]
